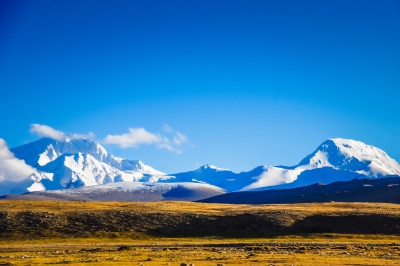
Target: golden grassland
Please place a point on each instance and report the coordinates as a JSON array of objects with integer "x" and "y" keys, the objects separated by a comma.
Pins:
[
  {"x": 297, "y": 250},
  {"x": 140, "y": 248},
  {"x": 199, "y": 208}
]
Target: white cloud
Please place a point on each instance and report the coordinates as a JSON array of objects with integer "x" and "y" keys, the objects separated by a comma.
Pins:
[
  {"x": 169, "y": 147},
  {"x": 11, "y": 168},
  {"x": 132, "y": 139},
  {"x": 180, "y": 138},
  {"x": 49, "y": 132},
  {"x": 46, "y": 131},
  {"x": 166, "y": 144},
  {"x": 135, "y": 137}
]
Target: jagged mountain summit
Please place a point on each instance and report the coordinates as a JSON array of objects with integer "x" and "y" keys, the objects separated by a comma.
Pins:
[
  {"x": 45, "y": 150},
  {"x": 80, "y": 163}
]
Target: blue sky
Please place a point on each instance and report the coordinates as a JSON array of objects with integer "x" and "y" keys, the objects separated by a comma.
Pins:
[{"x": 247, "y": 82}]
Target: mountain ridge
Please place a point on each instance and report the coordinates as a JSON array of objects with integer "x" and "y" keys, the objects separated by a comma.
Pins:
[{"x": 75, "y": 163}]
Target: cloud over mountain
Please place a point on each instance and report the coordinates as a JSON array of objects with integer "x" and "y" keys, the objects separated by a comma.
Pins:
[
  {"x": 135, "y": 137},
  {"x": 139, "y": 136},
  {"x": 49, "y": 132},
  {"x": 12, "y": 169},
  {"x": 15, "y": 175}
]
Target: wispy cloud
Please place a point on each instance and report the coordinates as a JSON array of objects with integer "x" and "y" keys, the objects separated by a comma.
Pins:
[
  {"x": 138, "y": 136},
  {"x": 169, "y": 147},
  {"x": 135, "y": 137},
  {"x": 171, "y": 139},
  {"x": 180, "y": 138},
  {"x": 49, "y": 132}
]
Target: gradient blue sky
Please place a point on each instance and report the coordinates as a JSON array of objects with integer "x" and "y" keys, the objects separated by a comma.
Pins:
[{"x": 248, "y": 82}]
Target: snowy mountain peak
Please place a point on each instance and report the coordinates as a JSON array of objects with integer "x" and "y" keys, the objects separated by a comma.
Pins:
[
  {"x": 45, "y": 150},
  {"x": 78, "y": 162},
  {"x": 351, "y": 155},
  {"x": 211, "y": 167}
]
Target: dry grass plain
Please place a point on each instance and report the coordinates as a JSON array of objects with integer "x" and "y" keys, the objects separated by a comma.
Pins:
[
  {"x": 200, "y": 208},
  {"x": 43, "y": 241}
]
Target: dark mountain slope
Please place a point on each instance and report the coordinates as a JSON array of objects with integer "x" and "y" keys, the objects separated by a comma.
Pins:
[{"x": 358, "y": 190}]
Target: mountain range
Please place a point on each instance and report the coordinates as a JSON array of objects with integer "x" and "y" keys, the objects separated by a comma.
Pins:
[{"x": 74, "y": 164}]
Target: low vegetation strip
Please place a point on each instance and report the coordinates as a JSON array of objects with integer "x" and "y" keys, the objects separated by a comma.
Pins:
[
  {"x": 253, "y": 245},
  {"x": 238, "y": 253},
  {"x": 182, "y": 219}
]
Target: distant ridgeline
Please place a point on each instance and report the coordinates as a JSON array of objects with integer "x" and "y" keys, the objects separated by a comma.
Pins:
[{"x": 66, "y": 167}]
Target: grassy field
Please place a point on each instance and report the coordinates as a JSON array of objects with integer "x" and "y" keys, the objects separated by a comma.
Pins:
[
  {"x": 330, "y": 249},
  {"x": 199, "y": 208},
  {"x": 104, "y": 244}
]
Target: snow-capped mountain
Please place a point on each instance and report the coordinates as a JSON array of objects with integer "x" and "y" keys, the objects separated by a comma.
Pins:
[
  {"x": 45, "y": 150},
  {"x": 342, "y": 160},
  {"x": 351, "y": 155},
  {"x": 226, "y": 179},
  {"x": 80, "y": 163},
  {"x": 334, "y": 160}
]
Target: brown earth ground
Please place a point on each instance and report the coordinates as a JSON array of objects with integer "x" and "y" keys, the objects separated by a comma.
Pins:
[{"x": 171, "y": 233}]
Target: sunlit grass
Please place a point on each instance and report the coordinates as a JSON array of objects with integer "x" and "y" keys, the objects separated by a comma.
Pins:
[
  {"x": 138, "y": 247},
  {"x": 123, "y": 250},
  {"x": 140, "y": 238},
  {"x": 200, "y": 208}
]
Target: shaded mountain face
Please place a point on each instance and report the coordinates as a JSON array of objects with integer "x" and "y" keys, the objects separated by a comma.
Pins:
[
  {"x": 358, "y": 190},
  {"x": 82, "y": 163}
]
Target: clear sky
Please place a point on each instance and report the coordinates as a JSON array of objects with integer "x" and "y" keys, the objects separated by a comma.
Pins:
[{"x": 247, "y": 82}]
